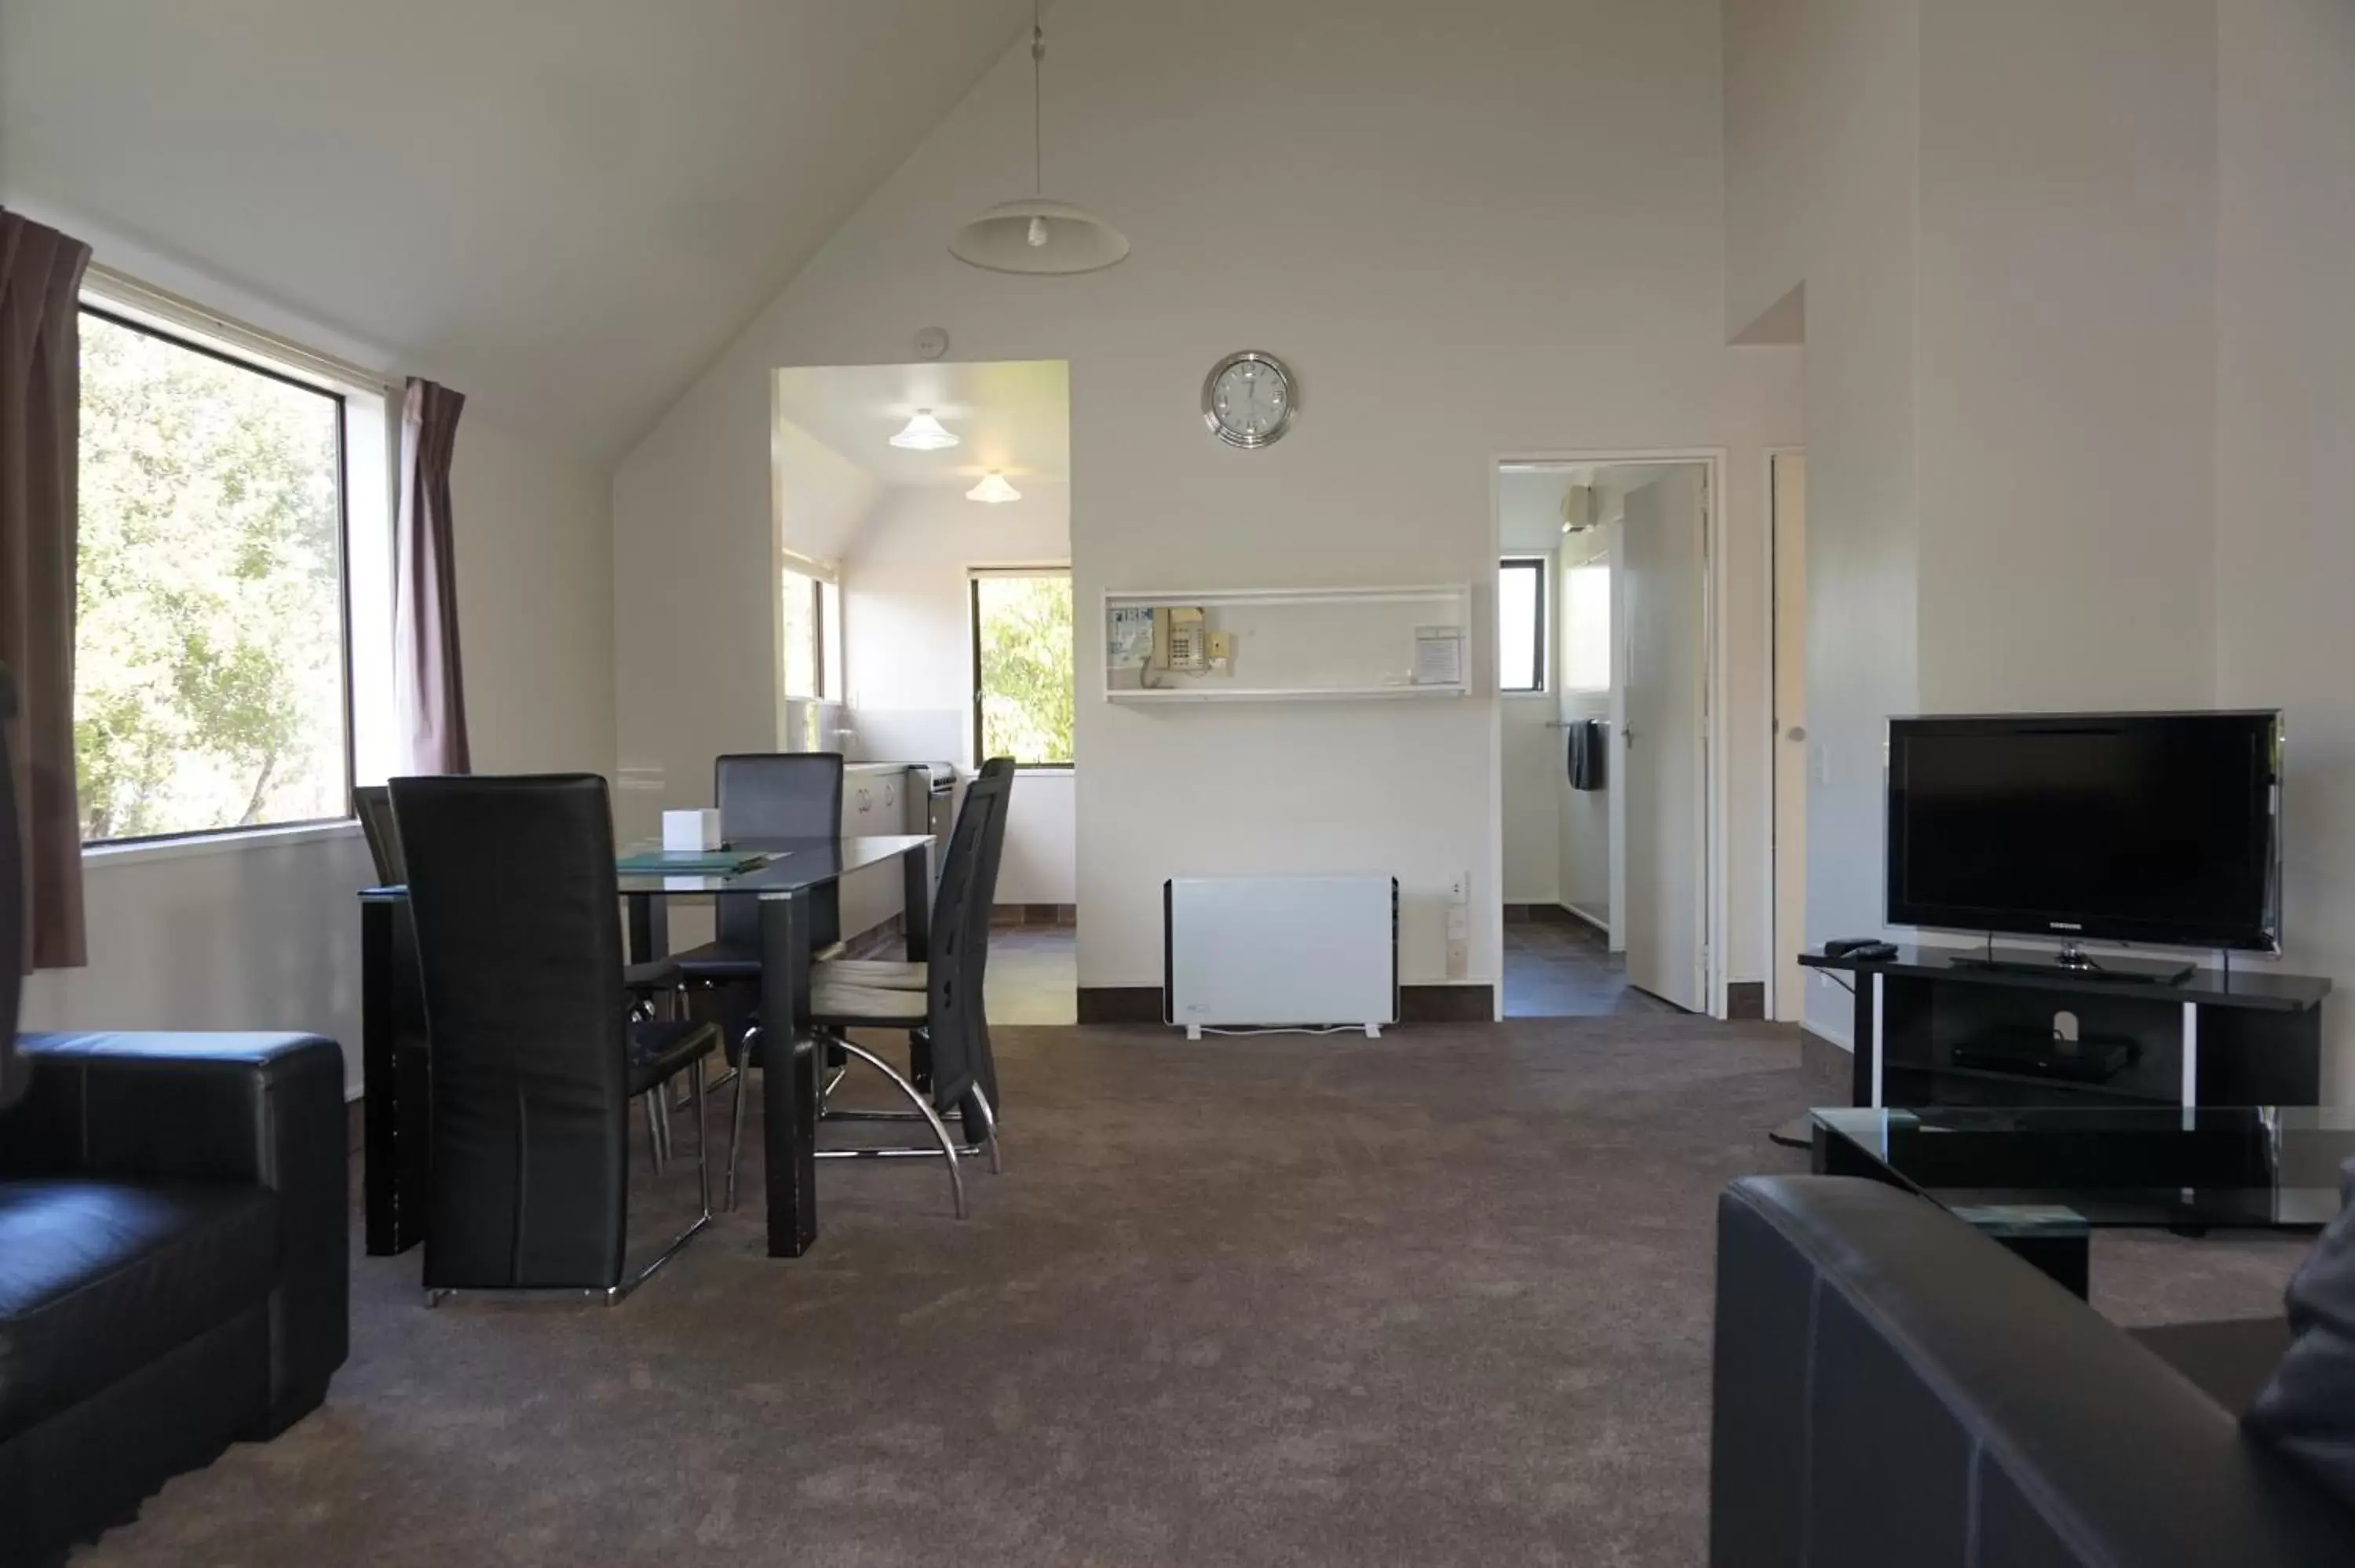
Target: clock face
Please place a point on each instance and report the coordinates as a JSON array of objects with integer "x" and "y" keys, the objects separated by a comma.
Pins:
[{"x": 1248, "y": 401}]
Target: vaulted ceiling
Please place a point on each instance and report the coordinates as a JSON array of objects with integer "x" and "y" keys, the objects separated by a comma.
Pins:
[{"x": 564, "y": 208}]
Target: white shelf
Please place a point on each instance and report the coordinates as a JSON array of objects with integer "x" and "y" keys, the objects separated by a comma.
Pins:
[
  {"x": 1286, "y": 694},
  {"x": 1300, "y": 645}
]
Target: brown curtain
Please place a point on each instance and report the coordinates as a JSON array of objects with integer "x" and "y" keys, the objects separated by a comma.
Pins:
[
  {"x": 425, "y": 586},
  {"x": 40, "y": 438}
]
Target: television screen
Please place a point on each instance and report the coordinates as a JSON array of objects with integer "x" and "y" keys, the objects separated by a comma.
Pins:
[{"x": 2129, "y": 827}]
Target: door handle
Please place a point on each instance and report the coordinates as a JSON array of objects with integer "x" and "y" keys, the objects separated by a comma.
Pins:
[{"x": 1627, "y": 734}]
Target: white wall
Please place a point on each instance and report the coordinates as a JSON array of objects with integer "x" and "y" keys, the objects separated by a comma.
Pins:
[
  {"x": 264, "y": 933},
  {"x": 2065, "y": 313},
  {"x": 907, "y": 648},
  {"x": 2285, "y": 545},
  {"x": 1431, "y": 228}
]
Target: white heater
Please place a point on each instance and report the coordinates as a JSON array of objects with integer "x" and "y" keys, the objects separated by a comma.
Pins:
[{"x": 1280, "y": 952}]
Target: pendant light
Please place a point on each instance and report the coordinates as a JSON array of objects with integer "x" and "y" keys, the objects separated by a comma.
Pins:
[
  {"x": 1034, "y": 234},
  {"x": 994, "y": 491},
  {"x": 924, "y": 433}
]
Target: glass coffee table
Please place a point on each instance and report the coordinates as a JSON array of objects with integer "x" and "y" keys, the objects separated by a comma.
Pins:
[{"x": 2042, "y": 1180}]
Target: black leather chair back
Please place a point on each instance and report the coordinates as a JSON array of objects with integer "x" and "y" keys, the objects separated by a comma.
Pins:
[
  {"x": 778, "y": 795},
  {"x": 373, "y": 804},
  {"x": 984, "y": 903},
  {"x": 960, "y": 937},
  {"x": 512, "y": 888},
  {"x": 16, "y": 1072}
]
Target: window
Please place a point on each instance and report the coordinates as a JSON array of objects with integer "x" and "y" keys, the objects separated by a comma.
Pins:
[
  {"x": 1586, "y": 626},
  {"x": 1022, "y": 680},
  {"x": 1521, "y": 624},
  {"x": 211, "y": 687},
  {"x": 812, "y": 631}
]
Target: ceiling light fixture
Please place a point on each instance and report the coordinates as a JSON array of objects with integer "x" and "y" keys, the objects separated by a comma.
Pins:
[
  {"x": 925, "y": 434},
  {"x": 1033, "y": 234},
  {"x": 994, "y": 491}
]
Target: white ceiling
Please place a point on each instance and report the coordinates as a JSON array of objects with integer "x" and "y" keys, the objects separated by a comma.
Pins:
[
  {"x": 562, "y": 207},
  {"x": 1013, "y": 416}
]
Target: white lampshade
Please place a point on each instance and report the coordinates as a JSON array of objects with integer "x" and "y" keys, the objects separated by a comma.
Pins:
[
  {"x": 994, "y": 491},
  {"x": 925, "y": 434},
  {"x": 1035, "y": 235}
]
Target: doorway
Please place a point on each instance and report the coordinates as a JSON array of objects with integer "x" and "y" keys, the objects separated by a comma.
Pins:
[
  {"x": 1604, "y": 658},
  {"x": 1787, "y": 540},
  {"x": 922, "y": 517}
]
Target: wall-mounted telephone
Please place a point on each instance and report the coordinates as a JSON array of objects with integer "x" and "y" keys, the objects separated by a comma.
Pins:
[{"x": 1180, "y": 640}]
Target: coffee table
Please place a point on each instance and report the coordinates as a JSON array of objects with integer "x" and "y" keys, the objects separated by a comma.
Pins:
[{"x": 2041, "y": 1179}]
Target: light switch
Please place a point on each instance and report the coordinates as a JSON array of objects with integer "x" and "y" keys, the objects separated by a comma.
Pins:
[{"x": 1823, "y": 763}]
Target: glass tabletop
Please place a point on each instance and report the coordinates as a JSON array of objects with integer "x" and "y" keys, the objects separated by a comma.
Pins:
[
  {"x": 2022, "y": 1169},
  {"x": 793, "y": 865}
]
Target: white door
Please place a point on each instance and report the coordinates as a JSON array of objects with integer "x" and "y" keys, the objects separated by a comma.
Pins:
[
  {"x": 1790, "y": 537},
  {"x": 1659, "y": 755}
]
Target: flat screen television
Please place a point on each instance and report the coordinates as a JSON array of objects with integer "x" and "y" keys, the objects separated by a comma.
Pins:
[{"x": 2159, "y": 827}]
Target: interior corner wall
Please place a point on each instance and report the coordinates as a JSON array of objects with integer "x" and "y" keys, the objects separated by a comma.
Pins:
[
  {"x": 535, "y": 603},
  {"x": 2284, "y": 545},
  {"x": 1427, "y": 259},
  {"x": 2065, "y": 356}
]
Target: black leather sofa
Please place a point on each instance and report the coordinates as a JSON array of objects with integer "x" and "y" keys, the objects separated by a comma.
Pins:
[
  {"x": 1894, "y": 1388},
  {"x": 174, "y": 1273}
]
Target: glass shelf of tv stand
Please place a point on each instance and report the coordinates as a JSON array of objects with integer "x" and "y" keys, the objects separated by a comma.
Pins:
[{"x": 2251, "y": 983}]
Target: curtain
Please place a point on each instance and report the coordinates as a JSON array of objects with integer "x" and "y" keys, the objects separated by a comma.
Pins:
[
  {"x": 40, "y": 438},
  {"x": 432, "y": 688}
]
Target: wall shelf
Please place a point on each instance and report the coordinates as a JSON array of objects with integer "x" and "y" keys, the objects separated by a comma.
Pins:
[{"x": 1290, "y": 645}]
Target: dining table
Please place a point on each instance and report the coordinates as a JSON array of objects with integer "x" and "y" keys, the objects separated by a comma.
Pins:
[{"x": 396, "y": 1046}]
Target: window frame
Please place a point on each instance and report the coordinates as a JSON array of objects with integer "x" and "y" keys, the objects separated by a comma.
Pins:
[
  {"x": 974, "y": 576},
  {"x": 92, "y": 304},
  {"x": 824, "y": 580},
  {"x": 1537, "y": 565}
]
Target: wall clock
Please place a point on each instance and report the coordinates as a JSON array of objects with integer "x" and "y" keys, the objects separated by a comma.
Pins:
[{"x": 1249, "y": 399}]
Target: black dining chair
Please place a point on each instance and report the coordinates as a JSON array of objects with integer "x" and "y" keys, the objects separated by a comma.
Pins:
[
  {"x": 947, "y": 1009},
  {"x": 768, "y": 795},
  {"x": 900, "y": 974},
  {"x": 515, "y": 900},
  {"x": 651, "y": 986}
]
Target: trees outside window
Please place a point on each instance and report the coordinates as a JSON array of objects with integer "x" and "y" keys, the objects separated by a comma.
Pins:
[
  {"x": 210, "y": 687},
  {"x": 1022, "y": 678}
]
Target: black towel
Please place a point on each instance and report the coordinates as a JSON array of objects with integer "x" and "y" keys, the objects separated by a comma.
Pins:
[{"x": 1586, "y": 749}]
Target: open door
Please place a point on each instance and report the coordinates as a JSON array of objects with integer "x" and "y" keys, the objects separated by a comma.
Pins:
[
  {"x": 1659, "y": 757},
  {"x": 1790, "y": 733}
]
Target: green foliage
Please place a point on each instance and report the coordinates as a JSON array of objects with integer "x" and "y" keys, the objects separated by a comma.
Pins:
[
  {"x": 208, "y": 641},
  {"x": 1026, "y": 667}
]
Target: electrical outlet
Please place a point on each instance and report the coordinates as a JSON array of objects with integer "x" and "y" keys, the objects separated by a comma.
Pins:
[
  {"x": 1459, "y": 957},
  {"x": 1459, "y": 889}
]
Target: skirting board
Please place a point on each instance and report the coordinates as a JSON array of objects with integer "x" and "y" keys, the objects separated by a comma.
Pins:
[
  {"x": 1540, "y": 915},
  {"x": 1417, "y": 1003}
]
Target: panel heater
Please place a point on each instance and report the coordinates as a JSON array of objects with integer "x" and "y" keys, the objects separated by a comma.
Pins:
[{"x": 1280, "y": 952}]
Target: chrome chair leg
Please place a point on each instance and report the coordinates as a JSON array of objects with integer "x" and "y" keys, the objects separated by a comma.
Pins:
[
  {"x": 736, "y": 1112},
  {"x": 703, "y": 1139},
  {"x": 989, "y": 1130},
  {"x": 652, "y": 1101},
  {"x": 940, "y": 1133}
]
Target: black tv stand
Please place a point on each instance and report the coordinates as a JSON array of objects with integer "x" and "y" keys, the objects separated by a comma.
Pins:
[{"x": 1937, "y": 1026}]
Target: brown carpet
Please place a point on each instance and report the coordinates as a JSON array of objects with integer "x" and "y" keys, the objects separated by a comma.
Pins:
[{"x": 1442, "y": 1298}]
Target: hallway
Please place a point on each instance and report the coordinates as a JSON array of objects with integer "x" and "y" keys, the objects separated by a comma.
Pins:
[{"x": 1558, "y": 968}]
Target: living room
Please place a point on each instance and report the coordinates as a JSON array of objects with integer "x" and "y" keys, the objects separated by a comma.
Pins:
[{"x": 2049, "y": 296}]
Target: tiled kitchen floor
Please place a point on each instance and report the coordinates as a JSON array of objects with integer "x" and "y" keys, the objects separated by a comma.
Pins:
[
  {"x": 1562, "y": 969},
  {"x": 1033, "y": 974}
]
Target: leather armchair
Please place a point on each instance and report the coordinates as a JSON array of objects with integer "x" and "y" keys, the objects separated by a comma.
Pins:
[
  {"x": 174, "y": 1269},
  {"x": 1892, "y": 1387}
]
